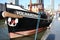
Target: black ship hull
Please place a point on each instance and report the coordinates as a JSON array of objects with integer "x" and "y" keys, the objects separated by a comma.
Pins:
[
  {"x": 25, "y": 24},
  {"x": 29, "y": 21}
]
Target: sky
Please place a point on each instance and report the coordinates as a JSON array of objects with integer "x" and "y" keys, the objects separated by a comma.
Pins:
[{"x": 26, "y": 2}]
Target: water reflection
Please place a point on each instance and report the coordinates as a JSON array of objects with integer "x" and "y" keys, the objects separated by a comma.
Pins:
[
  {"x": 51, "y": 37},
  {"x": 54, "y": 32},
  {"x": 4, "y": 32}
]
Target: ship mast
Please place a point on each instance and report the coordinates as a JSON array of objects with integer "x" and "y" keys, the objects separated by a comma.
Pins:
[
  {"x": 40, "y": 5},
  {"x": 30, "y": 5}
]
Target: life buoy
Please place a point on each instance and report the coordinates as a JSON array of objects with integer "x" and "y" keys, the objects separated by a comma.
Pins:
[{"x": 12, "y": 22}]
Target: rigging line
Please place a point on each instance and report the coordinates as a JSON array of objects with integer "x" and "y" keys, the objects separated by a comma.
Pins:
[
  {"x": 46, "y": 19},
  {"x": 37, "y": 25}
]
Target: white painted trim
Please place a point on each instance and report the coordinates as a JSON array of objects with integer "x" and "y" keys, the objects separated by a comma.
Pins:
[{"x": 14, "y": 7}]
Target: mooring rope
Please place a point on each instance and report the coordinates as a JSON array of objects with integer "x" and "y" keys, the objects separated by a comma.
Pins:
[{"x": 37, "y": 26}]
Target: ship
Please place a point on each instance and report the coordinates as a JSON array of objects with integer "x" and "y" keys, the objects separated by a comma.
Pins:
[{"x": 29, "y": 20}]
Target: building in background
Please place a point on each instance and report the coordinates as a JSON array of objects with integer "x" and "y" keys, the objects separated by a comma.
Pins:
[
  {"x": 58, "y": 11},
  {"x": 2, "y": 7},
  {"x": 58, "y": 7},
  {"x": 52, "y": 6}
]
